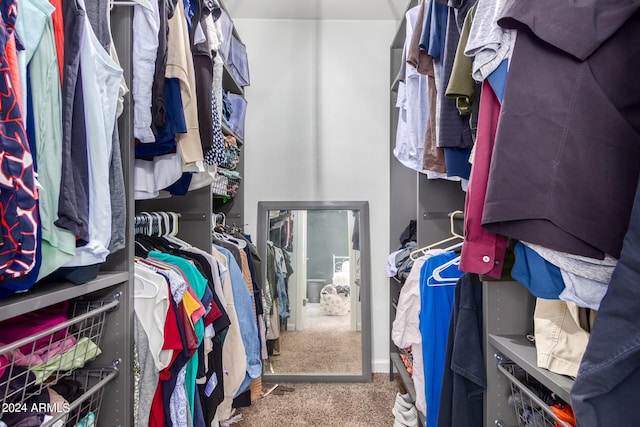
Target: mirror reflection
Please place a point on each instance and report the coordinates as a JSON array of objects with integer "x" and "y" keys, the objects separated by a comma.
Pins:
[{"x": 313, "y": 278}]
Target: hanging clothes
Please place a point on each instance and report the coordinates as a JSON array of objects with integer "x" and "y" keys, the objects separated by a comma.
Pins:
[
  {"x": 101, "y": 78},
  {"x": 405, "y": 330},
  {"x": 414, "y": 108},
  {"x": 73, "y": 208},
  {"x": 465, "y": 379},
  {"x": 483, "y": 252},
  {"x": 436, "y": 302},
  {"x": 19, "y": 193},
  {"x": 180, "y": 66},
  {"x": 569, "y": 62}
]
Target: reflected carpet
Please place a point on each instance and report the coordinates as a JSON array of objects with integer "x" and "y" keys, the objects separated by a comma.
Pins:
[{"x": 322, "y": 351}]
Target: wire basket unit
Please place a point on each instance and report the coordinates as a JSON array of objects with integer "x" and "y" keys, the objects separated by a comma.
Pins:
[
  {"x": 225, "y": 183},
  {"x": 219, "y": 185},
  {"x": 31, "y": 364},
  {"x": 85, "y": 409},
  {"x": 529, "y": 399}
]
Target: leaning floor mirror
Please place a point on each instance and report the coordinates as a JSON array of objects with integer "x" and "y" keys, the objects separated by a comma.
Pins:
[{"x": 316, "y": 296}]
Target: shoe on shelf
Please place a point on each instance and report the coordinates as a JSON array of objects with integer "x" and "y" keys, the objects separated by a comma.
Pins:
[{"x": 407, "y": 417}]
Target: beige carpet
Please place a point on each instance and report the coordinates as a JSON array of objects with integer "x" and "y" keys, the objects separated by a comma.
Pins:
[
  {"x": 316, "y": 319},
  {"x": 318, "y": 351},
  {"x": 325, "y": 405}
]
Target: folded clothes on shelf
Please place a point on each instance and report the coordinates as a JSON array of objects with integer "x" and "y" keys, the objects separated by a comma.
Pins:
[
  {"x": 238, "y": 113},
  {"x": 13, "y": 382},
  {"x": 42, "y": 354},
  {"x": 88, "y": 420},
  {"x": 73, "y": 358},
  {"x": 21, "y": 327}
]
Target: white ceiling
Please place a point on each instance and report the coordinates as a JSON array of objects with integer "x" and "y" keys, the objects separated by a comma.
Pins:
[{"x": 317, "y": 9}]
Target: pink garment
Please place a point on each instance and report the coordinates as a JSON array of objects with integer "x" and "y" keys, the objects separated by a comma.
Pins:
[
  {"x": 42, "y": 354},
  {"x": 482, "y": 252},
  {"x": 20, "y": 327},
  {"x": 4, "y": 362}
]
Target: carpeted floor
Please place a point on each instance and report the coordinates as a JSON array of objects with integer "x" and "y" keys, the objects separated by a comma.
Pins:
[
  {"x": 326, "y": 345},
  {"x": 325, "y": 405},
  {"x": 319, "y": 351},
  {"x": 316, "y": 319}
]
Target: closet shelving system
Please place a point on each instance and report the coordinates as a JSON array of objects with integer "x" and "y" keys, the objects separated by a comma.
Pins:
[
  {"x": 106, "y": 386},
  {"x": 413, "y": 197},
  {"x": 232, "y": 207},
  {"x": 507, "y": 306},
  {"x": 108, "y": 299},
  {"x": 508, "y": 318}
]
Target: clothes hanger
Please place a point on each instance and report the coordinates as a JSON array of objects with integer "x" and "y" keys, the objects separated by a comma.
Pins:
[
  {"x": 166, "y": 223},
  {"x": 148, "y": 220},
  {"x": 172, "y": 229},
  {"x": 437, "y": 272},
  {"x": 241, "y": 244},
  {"x": 220, "y": 231},
  {"x": 157, "y": 219},
  {"x": 146, "y": 241},
  {"x": 143, "y": 288},
  {"x": 174, "y": 224},
  {"x": 453, "y": 247},
  {"x": 454, "y": 236},
  {"x": 154, "y": 263},
  {"x": 216, "y": 226},
  {"x": 223, "y": 219}
]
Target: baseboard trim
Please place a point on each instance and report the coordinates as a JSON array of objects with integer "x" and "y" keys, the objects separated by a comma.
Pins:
[{"x": 380, "y": 366}]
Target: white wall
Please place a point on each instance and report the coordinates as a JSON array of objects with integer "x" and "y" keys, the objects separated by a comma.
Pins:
[{"x": 317, "y": 127}]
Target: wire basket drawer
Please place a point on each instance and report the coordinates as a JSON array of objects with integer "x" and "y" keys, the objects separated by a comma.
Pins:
[
  {"x": 29, "y": 365},
  {"x": 528, "y": 399},
  {"x": 86, "y": 407},
  {"x": 220, "y": 185}
]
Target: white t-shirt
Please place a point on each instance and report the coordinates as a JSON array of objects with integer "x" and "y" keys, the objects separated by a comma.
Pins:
[
  {"x": 149, "y": 177},
  {"x": 413, "y": 103},
  {"x": 146, "y": 25},
  {"x": 151, "y": 303},
  {"x": 405, "y": 331}
]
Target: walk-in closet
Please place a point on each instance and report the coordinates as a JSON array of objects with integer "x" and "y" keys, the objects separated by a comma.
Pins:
[{"x": 250, "y": 213}]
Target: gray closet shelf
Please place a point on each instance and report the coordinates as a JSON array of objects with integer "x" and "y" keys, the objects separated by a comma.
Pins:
[
  {"x": 519, "y": 350},
  {"x": 232, "y": 207},
  {"x": 412, "y": 197},
  {"x": 46, "y": 294},
  {"x": 405, "y": 378},
  {"x": 508, "y": 309},
  {"x": 407, "y": 382}
]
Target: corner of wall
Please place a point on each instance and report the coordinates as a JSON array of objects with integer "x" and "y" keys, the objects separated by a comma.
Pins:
[{"x": 381, "y": 366}]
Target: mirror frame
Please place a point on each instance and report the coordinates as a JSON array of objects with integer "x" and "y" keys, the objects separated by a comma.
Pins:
[{"x": 365, "y": 283}]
